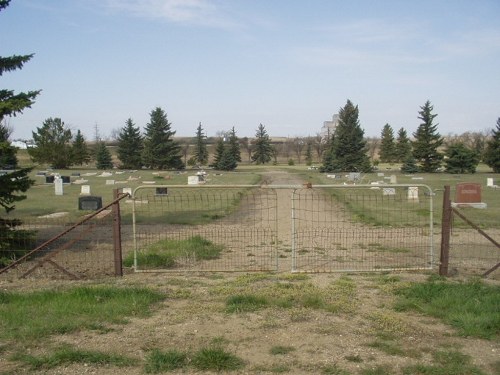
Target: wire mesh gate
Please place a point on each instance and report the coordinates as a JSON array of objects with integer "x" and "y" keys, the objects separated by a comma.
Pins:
[{"x": 323, "y": 228}]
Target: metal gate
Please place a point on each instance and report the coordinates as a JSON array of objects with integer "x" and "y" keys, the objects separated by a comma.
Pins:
[{"x": 324, "y": 228}]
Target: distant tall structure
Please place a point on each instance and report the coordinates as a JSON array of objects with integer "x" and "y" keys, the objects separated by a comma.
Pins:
[{"x": 329, "y": 127}]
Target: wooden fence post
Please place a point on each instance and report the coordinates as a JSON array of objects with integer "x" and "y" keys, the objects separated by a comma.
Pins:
[
  {"x": 117, "y": 235},
  {"x": 445, "y": 233}
]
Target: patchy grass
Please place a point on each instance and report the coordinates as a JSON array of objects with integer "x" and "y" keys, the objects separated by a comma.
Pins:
[
  {"x": 166, "y": 253},
  {"x": 216, "y": 359},
  {"x": 281, "y": 350},
  {"x": 158, "y": 361},
  {"x": 471, "y": 307},
  {"x": 68, "y": 355},
  {"x": 35, "y": 315},
  {"x": 445, "y": 363}
]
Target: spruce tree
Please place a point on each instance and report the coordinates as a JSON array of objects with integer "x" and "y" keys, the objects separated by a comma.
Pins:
[
  {"x": 262, "y": 150},
  {"x": 219, "y": 152},
  {"x": 130, "y": 146},
  {"x": 227, "y": 162},
  {"x": 461, "y": 159},
  {"x": 53, "y": 144},
  {"x": 347, "y": 152},
  {"x": 403, "y": 146},
  {"x": 80, "y": 150},
  {"x": 14, "y": 183},
  {"x": 200, "y": 152},
  {"x": 492, "y": 153},
  {"x": 427, "y": 141},
  {"x": 387, "y": 152},
  {"x": 8, "y": 158},
  {"x": 234, "y": 146},
  {"x": 103, "y": 158},
  {"x": 409, "y": 165},
  {"x": 160, "y": 149}
]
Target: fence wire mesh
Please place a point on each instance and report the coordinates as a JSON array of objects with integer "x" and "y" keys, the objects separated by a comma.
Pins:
[
  {"x": 203, "y": 229},
  {"x": 86, "y": 251},
  {"x": 323, "y": 229},
  {"x": 362, "y": 228}
]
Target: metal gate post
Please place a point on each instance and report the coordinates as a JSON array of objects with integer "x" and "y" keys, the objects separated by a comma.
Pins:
[
  {"x": 294, "y": 250},
  {"x": 445, "y": 233},
  {"x": 117, "y": 235}
]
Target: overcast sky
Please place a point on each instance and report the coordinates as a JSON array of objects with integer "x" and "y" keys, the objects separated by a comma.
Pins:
[{"x": 287, "y": 64}]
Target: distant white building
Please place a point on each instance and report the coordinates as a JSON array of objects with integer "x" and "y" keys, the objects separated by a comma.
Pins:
[
  {"x": 19, "y": 144},
  {"x": 329, "y": 127}
]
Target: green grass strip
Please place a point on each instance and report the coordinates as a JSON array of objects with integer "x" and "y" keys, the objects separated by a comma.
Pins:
[
  {"x": 35, "y": 315},
  {"x": 471, "y": 307}
]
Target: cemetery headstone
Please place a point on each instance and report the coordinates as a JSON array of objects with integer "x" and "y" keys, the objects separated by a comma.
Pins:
[
  {"x": 413, "y": 194},
  {"x": 161, "y": 191},
  {"x": 192, "y": 180},
  {"x": 393, "y": 179},
  {"x": 66, "y": 179},
  {"x": 468, "y": 195},
  {"x": 388, "y": 191},
  {"x": 354, "y": 176},
  {"x": 380, "y": 174},
  {"x": 110, "y": 182},
  {"x": 85, "y": 190},
  {"x": 58, "y": 186},
  {"x": 127, "y": 190},
  {"x": 49, "y": 179},
  {"x": 90, "y": 203}
]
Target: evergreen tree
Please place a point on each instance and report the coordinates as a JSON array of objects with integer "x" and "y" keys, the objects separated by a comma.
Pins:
[
  {"x": 130, "y": 146},
  {"x": 103, "y": 158},
  {"x": 427, "y": 141},
  {"x": 409, "y": 165},
  {"x": 200, "y": 152},
  {"x": 53, "y": 144},
  {"x": 309, "y": 156},
  {"x": 219, "y": 151},
  {"x": 492, "y": 153},
  {"x": 160, "y": 150},
  {"x": 80, "y": 150},
  {"x": 387, "y": 152},
  {"x": 347, "y": 151},
  {"x": 8, "y": 158},
  {"x": 403, "y": 146},
  {"x": 227, "y": 161},
  {"x": 262, "y": 151},
  {"x": 234, "y": 146},
  {"x": 461, "y": 159},
  {"x": 15, "y": 182}
]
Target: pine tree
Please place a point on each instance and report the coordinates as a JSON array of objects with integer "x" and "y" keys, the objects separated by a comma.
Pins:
[
  {"x": 219, "y": 151},
  {"x": 130, "y": 146},
  {"x": 53, "y": 144},
  {"x": 17, "y": 181},
  {"x": 80, "y": 150},
  {"x": 409, "y": 165},
  {"x": 492, "y": 153},
  {"x": 427, "y": 141},
  {"x": 200, "y": 152},
  {"x": 8, "y": 158},
  {"x": 347, "y": 151},
  {"x": 461, "y": 159},
  {"x": 387, "y": 152},
  {"x": 160, "y": 150},
  {"x": 403, "y": 146},
  {"x": 234, "y": 146},
  {"x": 309, "y": 156},
  {"x": 262, "y": 151},
  {"x": 227, "y": 161},
  {"x": 103, "y": 157}
]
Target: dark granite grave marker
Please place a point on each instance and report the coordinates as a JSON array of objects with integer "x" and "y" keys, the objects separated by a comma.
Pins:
[{"x": 89, "y": 203}]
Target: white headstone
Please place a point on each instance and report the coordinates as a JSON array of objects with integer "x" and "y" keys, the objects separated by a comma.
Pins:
[
  {"x": 394, "y": 179},
  {"x": 388, "y": 191},
  {"x": 193, "y": 180},
  {"x": 413, "y": 194},
  {"x": 110, "y": 182},
  {"x": 85, "y": 190},
  {"x": 380, "y": 174},
  {"x": 489, "y": 182},
  {"x": 127, "y": 190},
  {"x": 58, "y": 185}
]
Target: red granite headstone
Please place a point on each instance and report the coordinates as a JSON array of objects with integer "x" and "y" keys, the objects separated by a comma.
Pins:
[{"x": 468, "y": 193}]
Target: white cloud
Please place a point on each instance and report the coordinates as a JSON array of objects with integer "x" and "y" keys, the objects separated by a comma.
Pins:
[{"x": 194, "y": 12}]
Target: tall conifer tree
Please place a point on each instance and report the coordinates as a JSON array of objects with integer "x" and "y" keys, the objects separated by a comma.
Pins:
[
  {"x": 427, "y": 141},
  {"x": 492, "y": 153},
  {"x": 80, "y": 150},
  {"x": 130, "y": 146},
  {"x": 387, "y": 145},
  {"x": 201, "y": 151},
  {"x": 403, "y": 146},
  {"x": 262, "y": 150},
  {"x": 160, "y": 149}
]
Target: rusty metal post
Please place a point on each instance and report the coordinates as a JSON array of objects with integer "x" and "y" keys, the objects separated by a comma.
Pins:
[
  {"x": 117, "y": 234},
  {"x": 445, "y": 233}
]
